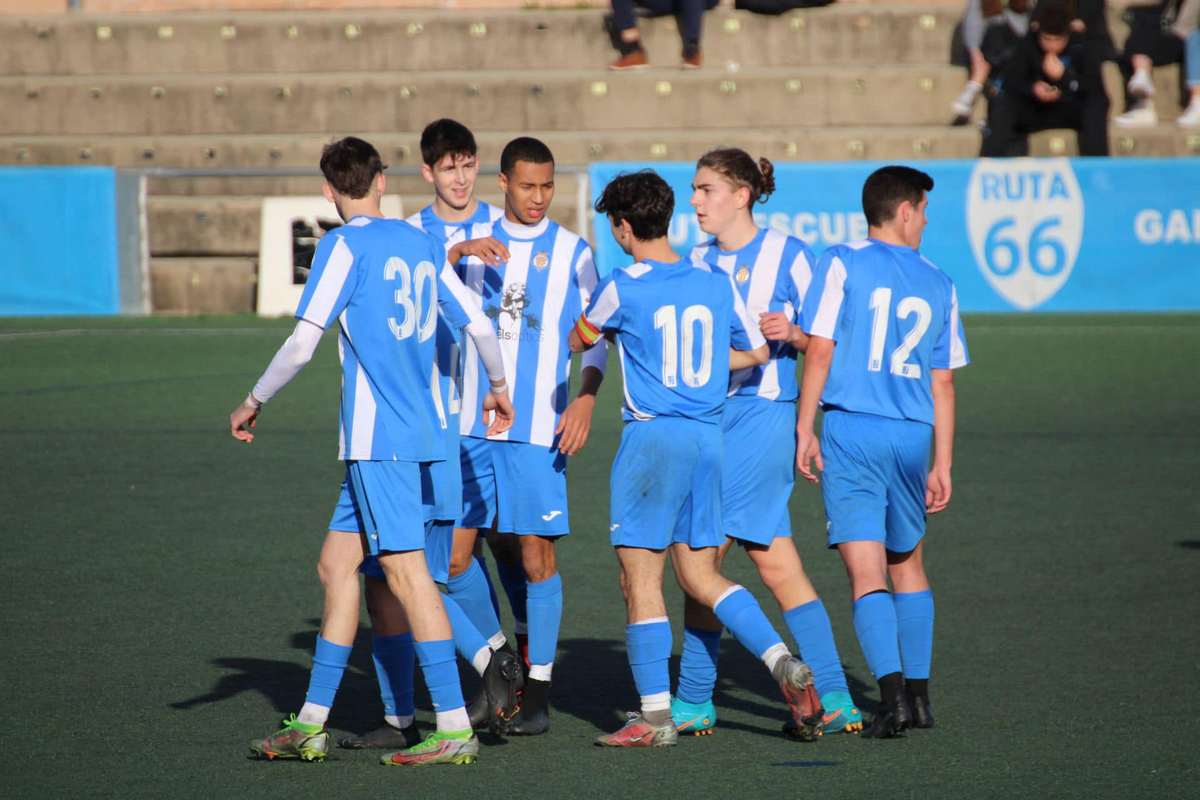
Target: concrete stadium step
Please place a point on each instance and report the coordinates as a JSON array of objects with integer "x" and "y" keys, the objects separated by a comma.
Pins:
[
  {"x": 496, "y": 100},
  {"x": 203, "y": 285},
  {"x": 397, "y": 41}
]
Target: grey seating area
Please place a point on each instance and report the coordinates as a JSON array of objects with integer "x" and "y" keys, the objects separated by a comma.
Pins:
[{"x": 263, "y": 90}]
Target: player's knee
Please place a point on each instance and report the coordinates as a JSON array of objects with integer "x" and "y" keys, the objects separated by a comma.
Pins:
[
  {"x": 333, "y": 571},
  {"x": 460, "y": 562}
]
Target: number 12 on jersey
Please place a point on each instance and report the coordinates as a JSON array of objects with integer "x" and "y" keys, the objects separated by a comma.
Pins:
[
  {"x": 881, "y": 303},
  {"x": 678, "y": 344}
]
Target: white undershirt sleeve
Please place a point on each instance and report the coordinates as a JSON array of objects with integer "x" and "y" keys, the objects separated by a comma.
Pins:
[
  {"x": 484, "y": 336},
  {"x": 289, "y": 360}
]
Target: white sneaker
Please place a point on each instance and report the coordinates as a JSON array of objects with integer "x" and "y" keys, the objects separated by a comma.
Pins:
[
  {"x": 966, "y": 98},
  {"x": 1190, "y": 118},
  {"x": 1141, "y": 85},
  {"x": 1142, "y": 116}
]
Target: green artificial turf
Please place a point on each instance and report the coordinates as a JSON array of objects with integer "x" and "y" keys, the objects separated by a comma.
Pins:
[{"x": 160, "y": 598}]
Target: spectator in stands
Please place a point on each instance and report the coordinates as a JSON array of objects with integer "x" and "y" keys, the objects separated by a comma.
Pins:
[
  {"x": 1051, "y": 81},
  {"x": 622, "y": 29},
  {"x": 1187, "y": 25},
  {"x": 1153, "y": 42},
  {"x": 983, "y": 42},
  {"x": 776, "y": 7}
]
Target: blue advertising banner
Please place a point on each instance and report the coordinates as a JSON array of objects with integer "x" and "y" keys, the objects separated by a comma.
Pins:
[
  {"x": 58, "y": 234},
  {"x": 1052, "y": 234}
]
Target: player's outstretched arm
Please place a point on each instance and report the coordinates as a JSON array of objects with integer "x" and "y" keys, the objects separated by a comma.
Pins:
[
  {"x": 817, "y": 361},
  {"x": 740, "y": 359},
  {"x": 938, "y": 489},
  {"x": 489, "y": 250},
  {"x": 288, "y": 361},
  {"x": 576, "y": 421}
]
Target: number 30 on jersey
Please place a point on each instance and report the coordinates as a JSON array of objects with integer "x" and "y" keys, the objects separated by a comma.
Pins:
[{"x": 417, "y": 292}]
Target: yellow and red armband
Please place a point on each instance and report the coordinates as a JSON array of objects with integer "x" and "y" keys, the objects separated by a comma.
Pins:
[{"x": 588, "y": 332}]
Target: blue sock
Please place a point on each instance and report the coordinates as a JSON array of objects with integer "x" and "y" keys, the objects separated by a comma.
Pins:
[
  {"x": 744, "y": 617},
  {"x": 649, "y": 646},
  {"x": 914, "y": 619},
  {"x": 512, "y": 578},
  {"x": 544, "y": 608},
  {"x": 809, "y": 624},
  {"x": 698, "y": 666},
  {"x": 482, "y": 562},
  {"x": 875, "y": 624},
  {"x": 467, "y": 638},
  {"x": 395, "y": 664},
  {"x": 441, "y": 673},
  {"x": 472, "y": 592},
  {"x": 329, "y": 664}
]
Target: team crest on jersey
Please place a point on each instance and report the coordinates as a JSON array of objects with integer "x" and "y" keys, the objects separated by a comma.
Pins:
[
  {"x": 541, "y": 260},
  {"x": 742, "y": 275}
]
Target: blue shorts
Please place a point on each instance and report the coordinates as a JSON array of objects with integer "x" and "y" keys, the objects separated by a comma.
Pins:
[
  {"x": 666, "y": 485},
  {"x": 874, "y": 480},
  {"x": 759, "y": 469},
  {"x": 446, "y": 477},
  {"x": 521, "y": 487},
  {"x": 387, "y": 502},
  {"x": 439, "y": 538}
]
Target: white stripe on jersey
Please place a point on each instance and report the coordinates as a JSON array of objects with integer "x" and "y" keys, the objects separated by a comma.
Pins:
[
  {"x": 758, "y": 301},
  {"x": 341, "y": 423},
  {"x": 545, "y": 385},
  {"x": 606, "y": 305},
  {"x": 739, "y": 311},
  {"x": 801, "y": 272},
  {"x": 629, "y": 404},
  {"x": 332, "y": 279},
  {"x": 825, "y": 320},
  {"x": 637, "y": 270},
  {"x": 958, "y": 348},
  {"x": 515, "y": 272},
  {"x": 435, "y": 387},
  {"x": 473, "y": 279},
  {"x": 362, "y": 431}
]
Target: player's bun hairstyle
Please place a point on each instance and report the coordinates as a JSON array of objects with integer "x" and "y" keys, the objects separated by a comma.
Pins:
[
  {"x": 888, "y": 187},
  {"x": 444, "y": 137},
  {"x": 350, "y": 166},
  {"x": 643, "y": 199},
  {"x": 524, "y": 148},
  {"x": 737, "y": 167}
]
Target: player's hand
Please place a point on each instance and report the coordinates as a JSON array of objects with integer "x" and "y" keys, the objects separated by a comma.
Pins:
[
  {"x": 575, "y": 424},
  {"x": 499, "y": 410},
  {"x": 242, "y": 420},
  {"x": 808, "y": 454},
  {"x": 489, "y": 250},
  {"x": 775, "y": 326},
  {"x": 1053, "y": 66},
  {"x": 937, "y": 490},
  {"x": 1045, "y": 92}
]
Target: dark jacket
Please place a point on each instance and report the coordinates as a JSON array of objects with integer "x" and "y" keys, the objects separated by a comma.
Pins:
[{"x": 1080, "y": 78}]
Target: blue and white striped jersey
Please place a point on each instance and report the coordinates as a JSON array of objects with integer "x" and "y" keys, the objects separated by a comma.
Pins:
[
  {"x": 384, "y": 282},
  {"x": 894, "y": 316},
  {"x": 674, "y": 326},
  {"x": 771, "y": 273},
  {"x": 451, "y": 233},
  {"x": 533, "y": 301}
]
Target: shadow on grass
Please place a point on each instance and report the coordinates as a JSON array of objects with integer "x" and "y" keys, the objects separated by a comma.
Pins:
[{"x": 1188, "y": 544}]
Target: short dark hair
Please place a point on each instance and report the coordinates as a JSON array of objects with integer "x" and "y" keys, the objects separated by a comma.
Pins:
[
  {"x": 1053, "y": 17},
  {"x": 444, "y": 137},
  {"x": 524, "y": 148},
  {"x": 643, "y": 199},
  {"x": 350, "y": 166},
  {"x": 888, "y": 187}
]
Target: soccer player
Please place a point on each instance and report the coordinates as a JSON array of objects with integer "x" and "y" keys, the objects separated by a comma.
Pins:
[
  {"x": 884, "y": 336},
  {"x": 450, "y": 158},
  {"x": 534, "y": 279},
  {"x": 384, "y": 283},
  {"x": 771, "y": 271},
  {"x": 675, "y": 324}
]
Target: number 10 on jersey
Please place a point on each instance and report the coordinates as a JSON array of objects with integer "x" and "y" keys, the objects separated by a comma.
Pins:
[{"x": 678, "y": 344}]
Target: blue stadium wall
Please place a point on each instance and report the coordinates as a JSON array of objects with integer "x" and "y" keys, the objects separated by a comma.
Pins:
[{"x": 1015, "y": 235}]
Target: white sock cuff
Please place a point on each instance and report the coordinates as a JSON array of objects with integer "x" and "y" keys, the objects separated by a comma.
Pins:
[
  {"x": 541, "y": 672},
  {"x": 774, "y": 654},
  {"x": 651, "y": 621},
  {"x": 481, "y": 659},
  {"x": 726, "y": 594},
  {"x": 399, "y": 722},
  {"x": 497, "y": 640},
  {"x": 656, "y": 702},
  {"x": 455, "y": 719},
  {"x": 313, "y": 714}
]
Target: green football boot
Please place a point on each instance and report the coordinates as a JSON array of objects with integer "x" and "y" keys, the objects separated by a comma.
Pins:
[
  {"x": 439, "y": 747},
  {"x": 295, "y": 739}
]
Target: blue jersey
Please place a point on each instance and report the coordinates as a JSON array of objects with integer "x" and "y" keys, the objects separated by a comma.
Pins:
[
  {"x": 533, "y": 300},
  {"x": 894, "y": 316},
  {"x": 771, "y": 273},
  {"x": 451, "y": 233},
  {"x": 379, "y": 280},
  {"x": 674, "y": 326}
]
